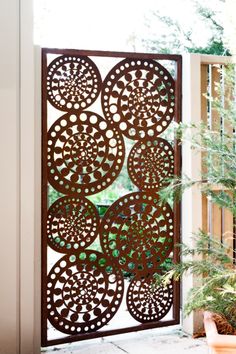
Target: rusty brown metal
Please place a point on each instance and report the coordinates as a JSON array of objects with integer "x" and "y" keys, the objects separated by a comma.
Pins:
[
  {"x": 138, "y": 97},
  {"x": 146, "y": 302},
  {"x": 84, "y": 292},
  {"x": 142, "y": 233},
  {"x": 72, "y": 224},
  {"x": 83, "y": 153},
  {"x": 144, "y": 163}
]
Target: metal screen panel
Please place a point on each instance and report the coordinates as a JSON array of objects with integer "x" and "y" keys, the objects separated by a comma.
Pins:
[{"x": 108, "y": 148}]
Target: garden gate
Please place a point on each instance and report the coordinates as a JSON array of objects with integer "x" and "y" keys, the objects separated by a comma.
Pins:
[{"x": 107, "y": 148}]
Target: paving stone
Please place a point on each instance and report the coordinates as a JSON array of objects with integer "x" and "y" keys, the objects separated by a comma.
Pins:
[
  {"x": 155, "y": 341},
  {"x": 86, "y": 348},
  {"x": 163, "y": 345}
]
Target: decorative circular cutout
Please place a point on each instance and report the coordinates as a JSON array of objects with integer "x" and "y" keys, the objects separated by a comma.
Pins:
[
  {"x": 72, "y": 224},
  {"x": 138, "y": 96},
  {"x": 85, "y": 154},
  {"x": 137, "y": 233},
  {"x": 148, "y": 302},
  {"x": 150, "y": 163},
  {"x": 84, "y": 292},
  {"x": 73, "y": 82}
]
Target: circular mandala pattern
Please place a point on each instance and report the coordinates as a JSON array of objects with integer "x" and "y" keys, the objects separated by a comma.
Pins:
[
  {"x": 146, "y": 302},
  {"x": 85, "y": 154},
  {"x": 84, "y": 292},
  {"x": 137, "y": 233},
  {"x": 139, "y": 97},
  {"x": 150, "y": 163},
  {"x": 72, "y": 224},
  {"x": 73, "y": 82}
]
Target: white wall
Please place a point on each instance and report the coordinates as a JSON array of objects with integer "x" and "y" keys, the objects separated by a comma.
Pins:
[
  {"x": 9, "y": 180},
  {"x": 19, "y": 265},
  {"x": 30, "y": 184}
]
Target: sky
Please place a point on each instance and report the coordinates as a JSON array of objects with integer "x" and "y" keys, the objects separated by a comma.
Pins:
[{"x": 106, "y": 24}]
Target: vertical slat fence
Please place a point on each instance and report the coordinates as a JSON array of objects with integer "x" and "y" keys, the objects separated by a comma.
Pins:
[{"x": 216, "y": 221}]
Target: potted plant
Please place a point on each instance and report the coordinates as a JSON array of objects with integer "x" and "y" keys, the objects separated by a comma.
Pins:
[
  {"x": 218, "y": 343},
  {"x": 216, "y": 294},
  {"x": 212, "y": 261}
]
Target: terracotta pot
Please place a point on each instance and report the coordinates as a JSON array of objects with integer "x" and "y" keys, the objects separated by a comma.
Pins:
[{"x": 218, "y": 343}]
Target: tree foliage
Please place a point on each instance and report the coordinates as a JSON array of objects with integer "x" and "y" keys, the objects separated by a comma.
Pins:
[{"x": 175, "y": 38}]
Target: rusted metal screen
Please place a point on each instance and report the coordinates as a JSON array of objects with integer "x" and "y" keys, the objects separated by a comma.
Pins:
[{"x": 108, "y": 148}]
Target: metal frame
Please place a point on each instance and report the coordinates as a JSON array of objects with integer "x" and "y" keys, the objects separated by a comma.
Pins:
[{"x": 177, "y": 210}]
